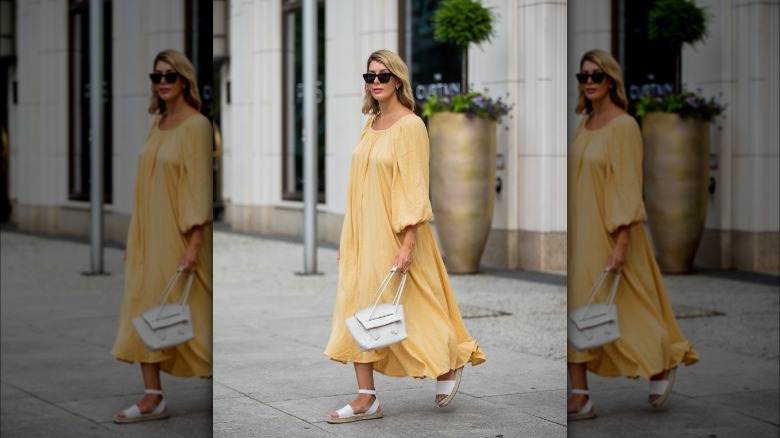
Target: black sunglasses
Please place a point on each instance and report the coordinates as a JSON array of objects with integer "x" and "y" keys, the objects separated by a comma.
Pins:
[
  {"x": 169, "y": 77},
  {"x": 596, "y": 77},
  {"x": 383, "y": 77}
]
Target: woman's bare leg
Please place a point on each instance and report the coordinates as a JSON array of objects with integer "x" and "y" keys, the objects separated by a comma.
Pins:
[{"x": 579, "y": 380}]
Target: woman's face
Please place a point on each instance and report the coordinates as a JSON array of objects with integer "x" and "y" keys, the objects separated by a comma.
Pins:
[
  {"x": 380, "y": 91},
  {"x": 168, "y": 91},
  {"x": 594, "y": 92}
]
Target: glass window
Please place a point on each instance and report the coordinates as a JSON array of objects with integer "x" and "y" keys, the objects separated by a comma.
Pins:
[
  {"x": 292, "y": 24},
  {"x": 199, "y": 28},
  {"x": 435, "y": 67},
  {"x": 642, "y": 74},
  {"x": 199, "y": 49},
  {"x": 79, "y": 114}
]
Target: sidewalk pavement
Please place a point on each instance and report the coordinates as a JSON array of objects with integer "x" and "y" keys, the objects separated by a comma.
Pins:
[
  {"x": 733, "y": 320},
  {"x": 58, "y": 377},
  {"x": 272, "y": 380}
]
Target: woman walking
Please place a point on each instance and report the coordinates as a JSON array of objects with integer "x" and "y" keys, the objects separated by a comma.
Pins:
[
  {"x": 386, "y": 224},
  {"x": 170, "y": 227},
  {"x": 605, "y": 228}
]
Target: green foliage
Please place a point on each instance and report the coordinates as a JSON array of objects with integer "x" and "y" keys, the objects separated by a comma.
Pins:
[
  {"x": 684, "y": 104},
  {"x": 472, "y": 104},
  {"x": 676, "y": 22},
  {"x": 463, "y": 22}
]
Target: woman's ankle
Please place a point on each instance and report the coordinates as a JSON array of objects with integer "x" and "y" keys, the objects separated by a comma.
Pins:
[
  {"x": 660, "y": 376},
  {"x": 449, "y": 375}
]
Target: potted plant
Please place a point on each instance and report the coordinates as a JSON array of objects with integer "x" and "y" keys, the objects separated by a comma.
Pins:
[
  {"x": 462, "y": 130},
  {"x": 676, "y": 136},
  {"x": 463, "y": 22}
]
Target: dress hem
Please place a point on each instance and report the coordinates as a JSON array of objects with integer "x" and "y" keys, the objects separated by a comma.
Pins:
[
  {"x": 688, "y": 358},
  {"x": 476, "y": 357},
  {"x": 174, "y": 374}
]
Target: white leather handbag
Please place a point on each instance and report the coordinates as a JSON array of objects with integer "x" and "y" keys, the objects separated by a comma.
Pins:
[
  {"x": 379, "y": 325},
  {"x": 594, "y": 325},
  {"x": 167, "y": 324}
]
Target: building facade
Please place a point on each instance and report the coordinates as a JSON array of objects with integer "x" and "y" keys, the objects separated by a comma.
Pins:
[
  {"x": 259, "y": 105},
  {"x": 45, "y": 104},
  {"x": 736, "y": 63}
]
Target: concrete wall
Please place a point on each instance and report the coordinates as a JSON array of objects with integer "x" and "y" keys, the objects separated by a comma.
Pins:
[
  {"x": 525, "y": 59},
  {"x": 738, "y": 64},
  {"x": 38, "y": 125}
]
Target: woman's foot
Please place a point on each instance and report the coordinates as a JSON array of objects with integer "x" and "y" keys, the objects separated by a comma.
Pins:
[
  {"x": 442, "y": 378},
  {"x": 576, "y": 402},
  {"x": 360, "y": 405},
  {"x": 151, "y": 407},
  {"x": 447, "y": 386},
  {"x": 364, "y": 407},
  {"x": 661, "y": 387},
  {"x": 579, "y": 406}
]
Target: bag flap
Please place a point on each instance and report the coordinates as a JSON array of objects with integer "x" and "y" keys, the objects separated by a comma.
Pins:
[
  {"x": 593, "y": 315},
  {"x": 171, "y": 314},
  {"x": 383, "y": 314}
]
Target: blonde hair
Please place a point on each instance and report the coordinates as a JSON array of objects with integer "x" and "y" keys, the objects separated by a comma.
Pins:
[
  {"x": 186, "y": 72},
  {"x": 398, "y": 68},
  {"x": 609, "y": 65}
]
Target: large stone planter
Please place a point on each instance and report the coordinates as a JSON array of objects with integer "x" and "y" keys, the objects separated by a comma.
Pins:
[
  {"x": 676, "y": 177},
  {"x": 463, "y": 181}
]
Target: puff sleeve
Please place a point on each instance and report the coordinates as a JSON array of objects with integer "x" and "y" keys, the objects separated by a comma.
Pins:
[
  {"x": 195, "y": 179},
  {"x": 409, "y": 191},
  {"x": 623, "y": 186}
]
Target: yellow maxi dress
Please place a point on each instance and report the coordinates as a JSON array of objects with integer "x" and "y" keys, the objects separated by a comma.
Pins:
[
  {"x": 173, "y": 193},
  {"x": 388, "y": 191},
  {"x": 605, "y": 192}
]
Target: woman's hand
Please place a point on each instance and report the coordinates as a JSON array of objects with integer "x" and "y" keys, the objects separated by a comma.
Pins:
[
  {"x": 617, "y": 259},
  {"x": 189, "y": 261},
  {"x": 403, "y": 260}
]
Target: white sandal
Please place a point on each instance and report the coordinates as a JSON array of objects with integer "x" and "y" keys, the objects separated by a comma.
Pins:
[
  {"x": 662, "y": 388},
  {"x": 586, "y": 412},
  {"x": 133, "y": 413},
  {"x": 449, "y": 387},
  {"x": 347, "y": 415}
]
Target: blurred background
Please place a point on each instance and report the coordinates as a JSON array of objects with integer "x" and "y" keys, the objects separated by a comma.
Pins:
[
  {"x": 259, "y": 89},
  {"x": 735, "y": 63},
  {"x": 44, "y": 103}
]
